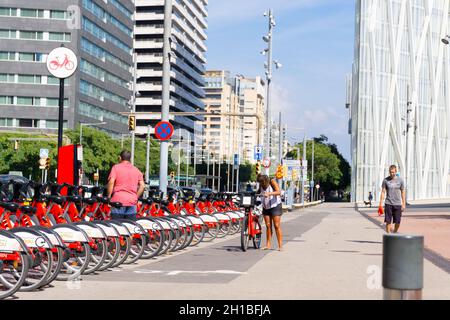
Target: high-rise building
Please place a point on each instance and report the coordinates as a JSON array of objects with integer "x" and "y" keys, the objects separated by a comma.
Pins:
[
  {"x": 400, "y": 105},
  {"x": 238, "y": 126},
  {"x": 187, "y": 57},
  {"x": 250, "y": 93},
  {"x": 101, "y": 35}
]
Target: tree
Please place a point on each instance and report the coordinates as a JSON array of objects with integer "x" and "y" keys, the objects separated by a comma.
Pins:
[{"x": 328, "y": 167}]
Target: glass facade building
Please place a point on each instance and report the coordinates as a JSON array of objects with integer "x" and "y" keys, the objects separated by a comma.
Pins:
[{"x": 400, "y": 97}]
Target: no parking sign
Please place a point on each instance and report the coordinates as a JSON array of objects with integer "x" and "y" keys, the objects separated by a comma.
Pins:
[{"x": 164, "y": 130}]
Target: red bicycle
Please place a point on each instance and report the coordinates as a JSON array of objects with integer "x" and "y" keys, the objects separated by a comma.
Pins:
[{"x": 251, "y": 228}]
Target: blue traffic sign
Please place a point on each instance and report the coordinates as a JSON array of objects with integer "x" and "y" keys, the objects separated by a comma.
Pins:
[{"x": 258, "y": 154}]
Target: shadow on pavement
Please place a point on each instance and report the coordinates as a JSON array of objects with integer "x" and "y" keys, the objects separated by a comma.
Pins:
[{"x": 364, "y": 241}]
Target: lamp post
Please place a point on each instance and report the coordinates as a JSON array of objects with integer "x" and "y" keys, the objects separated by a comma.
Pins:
[
  {"x": 268, "y": 66},
  {"x": 87, "y": 124}
]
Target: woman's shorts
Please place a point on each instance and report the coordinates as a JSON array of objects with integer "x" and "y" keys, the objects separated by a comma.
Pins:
[{"x": 273, "y": 212}]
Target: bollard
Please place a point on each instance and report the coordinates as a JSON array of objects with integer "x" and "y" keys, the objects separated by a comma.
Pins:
[{"x": 402, "y": 267}]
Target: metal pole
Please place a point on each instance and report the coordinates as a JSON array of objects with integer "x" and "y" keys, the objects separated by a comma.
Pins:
[
  {"x": 220, "y": 175},
  {"x": 303, "y": 180},
  {"x": 232, "y": 178},
  {"x": 188, "y": 155},
  {"x": 237, "y": 178},
  {"x": 81, "y": 134},
  {"x": 121, "y": 145},
  {"x": 402, "y": 267},
  {"x": 179, "y": 164},
  {"x": 147, "y": 158},
  {"x": 409, "y": 125},
  {"x": 228, "y": 177},
  {"x": 133, "y": 133},
  {"x": 280, "y": 152},
  {"x": 214, "y": 171},
  {"x": 164, "y": 151},
  {"x": 312, "y": 174},
  {"x": 195, "y": 157},
  {"x": 61, "y": 114},
  {"x": 269, "y": 79}
]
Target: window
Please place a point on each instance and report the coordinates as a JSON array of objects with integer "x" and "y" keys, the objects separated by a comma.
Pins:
[
  {"x": 12, "y": 12},
  {"x": 55, "y": 81},
  {"x": 59, "y": 36},
  {"x": 51, "y": 124},
  {"x": 29, "y": 78},
  {"x": 32, "y": 13},
  {"x": 26, "y": 56},
  {"x": 6, "y": 77},
  {"x": 54, "y": 102},
  {"x": 214, "y": 119},
  {"x": 32, "y": 35},
  {"x": 6, "y": 99},
  {"x": 28, "y": 123},
  {"x": 5, "y": 55},
  {"x": 58, "y": 14},
  {"x": 8, "y": 34},
  {"x": 29, "y": 101},
  {"x": 6, "y": 122},
  {"x": 215, "y": 126},
  {"x": 122, "y": 8},
  {"x": 94, "y": 112}
]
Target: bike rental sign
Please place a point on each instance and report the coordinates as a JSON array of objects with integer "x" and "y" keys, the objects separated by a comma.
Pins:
[{"x": 62, "y": 62}]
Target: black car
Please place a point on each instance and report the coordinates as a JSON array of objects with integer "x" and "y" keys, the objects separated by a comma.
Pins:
[{"x": 5, "y": 178}]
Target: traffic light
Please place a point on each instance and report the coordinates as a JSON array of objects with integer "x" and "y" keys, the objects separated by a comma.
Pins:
[
  {"x": 47, "y": 163},
  {"x": 172, "y": 175},
  {"x": 279, "y": 174},
  {"x": 258, "y": 168},
  {"x": 294, "y": 175},
  {"x": 16, "y": 145},
  {"x": 131, "y": 123}
]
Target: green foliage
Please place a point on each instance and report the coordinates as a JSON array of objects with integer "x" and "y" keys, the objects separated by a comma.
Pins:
[{"x": 331, "y": 170}]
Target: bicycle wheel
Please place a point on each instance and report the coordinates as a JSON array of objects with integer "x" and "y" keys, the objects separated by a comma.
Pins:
[
  {"x": 77, "y": 257},
  {"x": 245, "y": 237},
  {"x": 138, "y": 243},
  {"x": 58, "y": 260},
  {"x": 39, "y": 271},
  {"x": 154, "y": 237},
  {"x": 15, "y": 270},
  {"x": 124, "y": 252},
  {"x": 112, "y": 252},
  {"x": 212, "y": 225},
  {"x": 99, "y": 252},
  {"x": 41, "y": 259}
]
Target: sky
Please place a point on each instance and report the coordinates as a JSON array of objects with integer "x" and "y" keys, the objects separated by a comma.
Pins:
[{"x": 313, "y": 40}]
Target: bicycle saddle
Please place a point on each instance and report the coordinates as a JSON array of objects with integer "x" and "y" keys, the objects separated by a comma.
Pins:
[
  {"x": 116, "y": 204},
  {"x": 73, "y": 198},
  {"x": 28, "y": 209},
  {"x": 88, "y": 200},
  {"x": 103, "y": 200},
  {"x": 56, "y": 199},
  {"x": 12, "y": 207}
]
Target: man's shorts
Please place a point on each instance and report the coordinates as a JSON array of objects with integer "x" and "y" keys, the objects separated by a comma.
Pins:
[
  {"x": 123, "y": 213},
  {"x": 392, "y": 213}
]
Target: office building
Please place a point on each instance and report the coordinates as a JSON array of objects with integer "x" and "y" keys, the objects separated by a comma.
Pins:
[
  {"x": 187, "y": 57},
  {"x": 239, "y": 124},
  {"x": 400, "y": 97},
  {"x": 101, "y": 35}
]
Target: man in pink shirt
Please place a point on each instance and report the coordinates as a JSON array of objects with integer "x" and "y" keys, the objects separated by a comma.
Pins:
[{"x": 125, "y": 185}]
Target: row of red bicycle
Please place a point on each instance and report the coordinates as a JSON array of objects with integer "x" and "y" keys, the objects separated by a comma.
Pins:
[{"x": 59, "y": 232}]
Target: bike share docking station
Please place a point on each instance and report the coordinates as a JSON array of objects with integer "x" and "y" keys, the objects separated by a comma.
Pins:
[{"x": 402, "y": 267}]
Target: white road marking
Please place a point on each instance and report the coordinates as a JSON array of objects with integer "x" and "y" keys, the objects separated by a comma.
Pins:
[{"x": 177, "y": 272}]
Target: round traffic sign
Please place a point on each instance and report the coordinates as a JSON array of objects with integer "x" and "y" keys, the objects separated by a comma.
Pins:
[
  {"x": 163, "y": 130},
  {"x": 266, "y": 163},
  {"x": 62, "y": 62}
]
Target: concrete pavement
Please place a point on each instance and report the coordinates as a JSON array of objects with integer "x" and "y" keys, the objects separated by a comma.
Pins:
[{"x": 331, "y": 252}]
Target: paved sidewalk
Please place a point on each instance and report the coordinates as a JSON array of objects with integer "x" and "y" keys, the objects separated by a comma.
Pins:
[{"x": 332, "y": 252}]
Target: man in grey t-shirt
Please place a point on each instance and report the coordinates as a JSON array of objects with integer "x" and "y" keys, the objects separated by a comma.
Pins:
[{"x": 393, "y": 189}]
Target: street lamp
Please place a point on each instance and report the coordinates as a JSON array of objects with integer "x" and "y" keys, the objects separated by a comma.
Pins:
[
  {"x": 87, "y": 124},
  {"x": 268, "y": 67}
]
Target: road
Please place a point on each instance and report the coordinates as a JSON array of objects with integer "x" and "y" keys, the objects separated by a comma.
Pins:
[{"x": 331, "y": 251}]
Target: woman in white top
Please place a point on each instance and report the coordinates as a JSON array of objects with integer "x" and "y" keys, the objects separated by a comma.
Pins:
[{"x": 272, "y": 208}]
